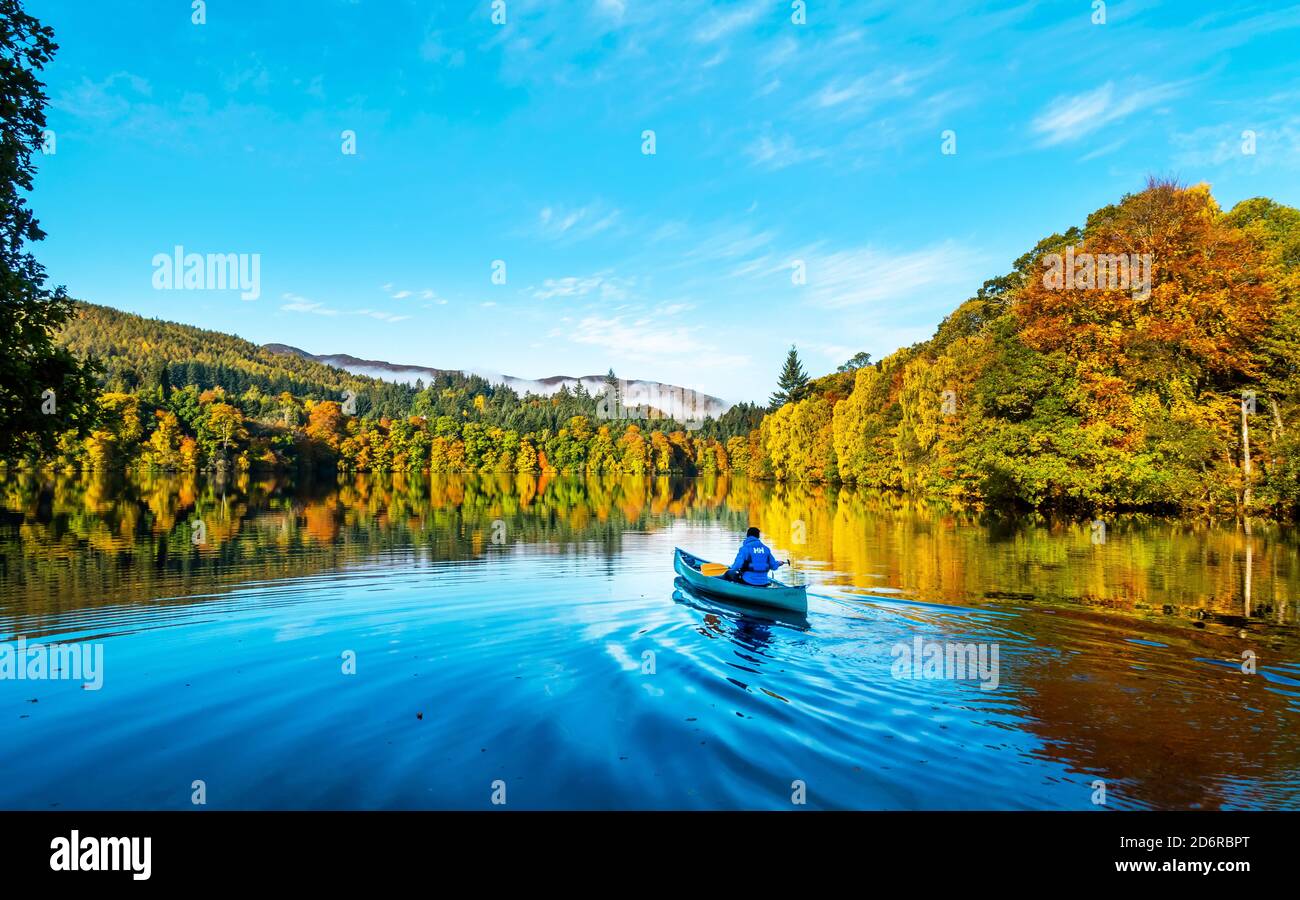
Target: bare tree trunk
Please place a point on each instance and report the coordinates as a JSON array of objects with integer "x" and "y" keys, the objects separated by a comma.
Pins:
[
  {"x": 1245, "y": 454},
  {"x": 1250, "y": 571}
]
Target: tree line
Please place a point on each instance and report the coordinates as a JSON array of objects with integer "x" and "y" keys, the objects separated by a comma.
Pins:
[
  {"x": 1051, "y": 387},
  {"x": 1179, "y": 394},
  {"x": 174, "y": 397}
]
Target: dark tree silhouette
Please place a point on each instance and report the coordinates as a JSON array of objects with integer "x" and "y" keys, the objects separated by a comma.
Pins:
[{"x": 44, "y": 389}]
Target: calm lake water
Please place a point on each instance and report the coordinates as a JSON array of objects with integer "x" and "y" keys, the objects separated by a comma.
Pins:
[{"x": 528, "y": 632}]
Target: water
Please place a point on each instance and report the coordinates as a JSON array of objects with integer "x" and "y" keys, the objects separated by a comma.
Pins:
[{"x": 529, "y": 634}]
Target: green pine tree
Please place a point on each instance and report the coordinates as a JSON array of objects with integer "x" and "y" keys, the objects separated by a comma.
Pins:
[{"x": 793, "y": 381}]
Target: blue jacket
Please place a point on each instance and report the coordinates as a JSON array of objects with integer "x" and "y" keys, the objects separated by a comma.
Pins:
[{"x": 754, "y": 562}]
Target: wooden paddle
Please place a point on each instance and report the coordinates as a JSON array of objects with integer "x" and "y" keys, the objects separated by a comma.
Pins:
[{"x": 713, "y": 569}]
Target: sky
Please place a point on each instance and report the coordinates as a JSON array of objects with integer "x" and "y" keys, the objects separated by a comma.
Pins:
[{"x": 781, "y": 149}]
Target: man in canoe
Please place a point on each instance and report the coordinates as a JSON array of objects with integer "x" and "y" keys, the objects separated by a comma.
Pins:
[{"x": 754, "y": 562}]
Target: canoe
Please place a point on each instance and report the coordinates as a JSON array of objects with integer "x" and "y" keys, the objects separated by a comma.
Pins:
[
  {"x": 776, "y": 595},
  {"x": 743, "y": 616}
]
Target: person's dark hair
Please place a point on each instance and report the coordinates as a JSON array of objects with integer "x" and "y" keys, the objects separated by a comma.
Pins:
[{"x": 753, "y": 532}]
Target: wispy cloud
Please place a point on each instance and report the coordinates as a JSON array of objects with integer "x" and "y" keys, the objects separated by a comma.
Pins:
[
  {"x": 435, "y": 50},
  {"x": 601, "y": 285},
  {"x": 1070, "y": 117},
  {"x": 729, "y": 243},
  {"x": 615, "y": 9},
  {"x": 561, "y": 223},
  {"x": 303, "y": 305},
  {"x": 860, "y": 94},
  {"x": 1275, "y": 144},
  {"x": 777, "y": 154},
  {"x": 721, "y": 25},
  {"x": 252, "y": 74},
  {"x": 941, "y": 275},
  {"x": 672, "y": 309},
  {"x": 646, "y": 339},
  {"x": 1263, "y": 136},
  {"x": 299, "y": 304},
  {"x": 104, "y": 100},
  {"x": 428, "y": 294}
]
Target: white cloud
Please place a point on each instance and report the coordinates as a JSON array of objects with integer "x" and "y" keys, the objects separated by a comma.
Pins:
[
  {"x": 612, "y": 8},
  {"x": 730, "y": 243},
  {"x": 303, "y": 305},
  {"x": 606, "y": 287},
  {"x": 644, "y": 339},
  {"x": 778, "y": 154},
  {"x": 672, "y": 309},
  {"x": 944, "y": 275},
  {"x": 1276, "y": 140},
  {"x": 380, "y": 315},
  {"x": 405, "y": 294},
  {"x": 1068, "y": 118},
  {"x": 866, "y": 91},
  {"x": 299, "y": 304},
  {"x": 559, "y": 223},
  {"x": 723, "y": 24},
  {"x": 103, "y": 100}
]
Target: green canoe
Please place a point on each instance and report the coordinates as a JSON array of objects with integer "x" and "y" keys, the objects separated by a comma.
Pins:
[{"x": 773, "y": 594}]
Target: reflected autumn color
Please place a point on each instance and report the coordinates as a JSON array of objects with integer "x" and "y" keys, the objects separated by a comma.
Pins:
[
  {"x": 1160, "y": 731},
  {"x": 1121, "y": 659},
  {"x": 93, "y": 539},
  {"x": 90, "y": 539}
]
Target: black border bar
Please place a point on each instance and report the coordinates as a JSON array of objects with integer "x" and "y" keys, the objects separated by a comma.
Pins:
[{"x": 209, "y": 848}]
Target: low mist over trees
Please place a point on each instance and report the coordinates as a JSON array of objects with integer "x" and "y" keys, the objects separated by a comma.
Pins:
[{"x": 1145, "y": 360}]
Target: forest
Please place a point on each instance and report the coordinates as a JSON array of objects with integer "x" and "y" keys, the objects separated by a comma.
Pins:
[
  {"x": 175, "y": 397},
  {"x": 1179, "y": 397},
  {"x": 1093, "y": 394}
]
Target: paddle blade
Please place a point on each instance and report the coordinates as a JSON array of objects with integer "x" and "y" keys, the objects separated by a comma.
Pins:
[{"x": 712, "y": 569}]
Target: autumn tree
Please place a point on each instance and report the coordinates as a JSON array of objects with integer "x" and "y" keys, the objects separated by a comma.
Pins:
[
  {"x": 222, "y": 429},
  {"x": 165, "y": 442},
  {"x": 1158, "y": 361},
  {"x": 325, "y": 423}
]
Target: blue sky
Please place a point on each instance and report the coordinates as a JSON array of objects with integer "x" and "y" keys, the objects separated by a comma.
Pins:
[{"x": 774, "y": 141}]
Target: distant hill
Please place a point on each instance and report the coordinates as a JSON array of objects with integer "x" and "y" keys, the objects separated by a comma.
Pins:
[
  {"x": 159, "y": 408},
  {"x": 369, "y": 368},
  {"x": 409, "y": 374},
  {"x": 140, "y": 353}
]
